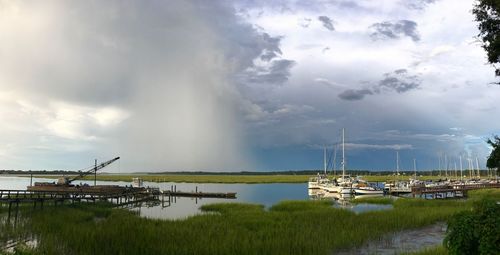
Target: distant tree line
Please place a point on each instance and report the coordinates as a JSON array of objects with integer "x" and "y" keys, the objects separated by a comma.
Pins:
[
  {"x": 289, "y": 172},
  {"x": 45, "y": 172}
]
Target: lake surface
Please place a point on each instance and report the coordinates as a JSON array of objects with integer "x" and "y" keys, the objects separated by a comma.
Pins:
[{"x": 182, "y": 207}]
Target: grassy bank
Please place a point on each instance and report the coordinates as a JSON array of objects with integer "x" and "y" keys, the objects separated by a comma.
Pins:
[
  {"x": 231, "y": 178},
  {"x": 290, "y": 227},
  {"x": 438, "y": 250}
]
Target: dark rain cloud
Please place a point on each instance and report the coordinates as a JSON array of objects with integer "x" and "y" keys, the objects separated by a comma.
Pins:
[
  {"x": 327, "y": 22},
  {"x": 277, "y": 73},
  {"x": 399, "y": 81},
  {"x": 395, "y": 30},
  {"x": 355, "y": 94},
  {"x": 418, "y": 4}
]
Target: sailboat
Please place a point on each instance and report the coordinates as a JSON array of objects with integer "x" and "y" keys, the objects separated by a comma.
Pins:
[
  {"x": 397, "y": 186},
  {"x": 345, "y": 181},
  {"x": 319, "y": 181}
]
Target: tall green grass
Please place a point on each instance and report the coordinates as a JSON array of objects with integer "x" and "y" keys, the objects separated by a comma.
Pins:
[
  {"x": 374, "y": 200},
  {"x": 437, "y": 250},
  {"x": 289, "y": 227}
]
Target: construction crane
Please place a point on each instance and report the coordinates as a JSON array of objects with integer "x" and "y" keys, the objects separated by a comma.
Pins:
[
  {"x": 88, "y": 171},
  {"x": 64, "y": 182}
]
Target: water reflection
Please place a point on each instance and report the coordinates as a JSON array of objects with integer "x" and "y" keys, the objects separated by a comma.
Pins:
[
  {"x": 345, "y": 201},
  {"x": 182, "y": 207}
]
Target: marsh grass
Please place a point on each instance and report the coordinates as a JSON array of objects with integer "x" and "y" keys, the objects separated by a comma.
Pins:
[
  {"x": 289, "y": 227},
  {"x": 249, "y": 179},
  {"x": 374, "y": 200},
  {"x": 437, "y": 250}
]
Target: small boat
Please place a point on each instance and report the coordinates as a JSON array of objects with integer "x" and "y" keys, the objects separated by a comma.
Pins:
[
  {"x": 368, "y": 191},
  {"x": 346, "y": 190},
  {"x": 361, "y": 187},
  {"x": 321, "y": 180},
  {"x": 137, "y": 182}
]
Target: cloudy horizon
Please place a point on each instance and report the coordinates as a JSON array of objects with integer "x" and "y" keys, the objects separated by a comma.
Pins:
[{"x": 242, "y": 85}]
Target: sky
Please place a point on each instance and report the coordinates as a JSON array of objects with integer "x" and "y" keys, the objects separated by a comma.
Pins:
[{"x": 243, "y": 85}]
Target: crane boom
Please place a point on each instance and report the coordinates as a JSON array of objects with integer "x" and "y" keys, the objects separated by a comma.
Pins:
[{"x": 92, "y": 170}]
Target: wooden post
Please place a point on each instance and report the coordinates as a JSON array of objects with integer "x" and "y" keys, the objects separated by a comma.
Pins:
[
  {"x": 10, "y": 206},
  {"x": 95, "y": 173}
]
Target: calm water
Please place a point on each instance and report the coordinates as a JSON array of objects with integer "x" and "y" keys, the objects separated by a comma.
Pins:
[{"x": 182, "y": 207}]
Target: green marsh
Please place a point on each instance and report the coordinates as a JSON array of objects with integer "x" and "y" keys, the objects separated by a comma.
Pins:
[{"x": 289, "y": 227}]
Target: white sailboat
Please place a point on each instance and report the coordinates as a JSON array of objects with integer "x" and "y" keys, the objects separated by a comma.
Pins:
[
  {"x": 367, "y": 190},
  {"x": 398, "y": 186},
  {"x": 345, "y": 181},
  {"x": 319, "y": 181}
]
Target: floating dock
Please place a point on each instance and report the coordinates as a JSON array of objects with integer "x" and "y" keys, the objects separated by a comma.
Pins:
[
  {"x": 230, "y": 195},
  {"x": 115, "y": 195},
  {"x": 450, "y": 191}
]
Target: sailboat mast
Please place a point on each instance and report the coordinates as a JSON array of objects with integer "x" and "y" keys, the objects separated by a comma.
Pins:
[
  {"x": 343, "y": 153},
  {"x": 324, "y": 159},
  {"x": 439, "y": 156},
  {"x": 397, "y": 163},
  {"x": 415, "y": 167},
  {"x": 455, "y": 162},
  {"x": 446, "y": 165},
  {"x": 461, "y": 167},
  {"x": 477, "y": 167},
  {"x": 335, "y": 159}
]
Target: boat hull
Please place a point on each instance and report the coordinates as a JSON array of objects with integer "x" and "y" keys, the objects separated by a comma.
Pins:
[{"x": 368, "y": 192}]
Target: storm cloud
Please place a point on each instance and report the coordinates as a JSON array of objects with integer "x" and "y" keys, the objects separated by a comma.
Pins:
[
  {"x": 418, "y": 4},
  {"x": 399, "y": 81},
  {"x": 99, "y": 83},
  {"x": 395, "y": 30},
  {"x": 355, "y": 94},
  {"x": 240, "y": 85},
  {"x": 327, "y": 22}
]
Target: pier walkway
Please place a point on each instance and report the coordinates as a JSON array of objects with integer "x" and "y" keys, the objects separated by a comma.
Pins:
[{"x": 449, "y": 191}]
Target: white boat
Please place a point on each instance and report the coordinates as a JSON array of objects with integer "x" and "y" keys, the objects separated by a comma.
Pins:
[
  {"x": 345, "y": 181},
  {"x": 137, "y": 182},
  {"x": 346, "y": 190},
  {"x": 319, "y": 181},
  {"x": 361, "y": 187},
  {"x": 367, "y": 191},
  {"x": 331, "y": 188}
]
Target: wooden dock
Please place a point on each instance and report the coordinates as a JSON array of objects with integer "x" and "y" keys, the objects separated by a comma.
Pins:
[
  {"x": 119, "y": 196},
  {"x": 199, "y": 194},
  {"x": 450, "y": 191},
  {"x": 124, "y": 195}
]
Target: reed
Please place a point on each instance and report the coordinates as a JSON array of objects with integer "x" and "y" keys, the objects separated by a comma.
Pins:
[
  {"x": 374, "y": 200},
  {"x": 438, "y": 250},
  {"x": 289, "y": 227},
  {"x": 249, "y": 179}
]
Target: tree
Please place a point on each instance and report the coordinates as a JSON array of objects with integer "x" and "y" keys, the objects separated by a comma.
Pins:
[
  {"x": 494, "y": 158},
  {"x": 476, "y": 231},
  {"x": 487, "y": 13}
]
